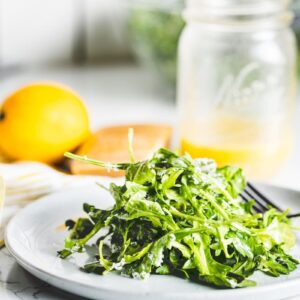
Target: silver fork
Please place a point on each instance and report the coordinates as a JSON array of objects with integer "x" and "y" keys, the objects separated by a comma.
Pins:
[{"x": 261, "y": 202}]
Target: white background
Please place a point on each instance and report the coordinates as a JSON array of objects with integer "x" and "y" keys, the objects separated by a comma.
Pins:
[{"x": 50, "y": 31}]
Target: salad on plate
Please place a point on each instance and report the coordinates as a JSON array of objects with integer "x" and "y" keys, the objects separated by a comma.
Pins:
[{"x": 179, "y": 216}]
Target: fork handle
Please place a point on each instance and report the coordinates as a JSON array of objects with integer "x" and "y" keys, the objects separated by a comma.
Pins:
[{"x": 293, "y": 216}]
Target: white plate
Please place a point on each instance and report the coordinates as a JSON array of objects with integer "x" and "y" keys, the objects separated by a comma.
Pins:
[{"x": 33, "y": 237}]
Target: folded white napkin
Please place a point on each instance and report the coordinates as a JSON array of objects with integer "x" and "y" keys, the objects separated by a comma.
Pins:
[{"x": 27, "y": 181}]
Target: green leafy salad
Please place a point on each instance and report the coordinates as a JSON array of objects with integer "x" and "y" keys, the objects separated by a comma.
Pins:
[{"x": 182, "y": 216}]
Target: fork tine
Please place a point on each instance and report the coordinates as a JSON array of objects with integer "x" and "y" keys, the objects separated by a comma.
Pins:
[
  {"x": 249, "y": 199},
  {"x": 257, "y": 201},
  {"x": 262, "y": 197}
]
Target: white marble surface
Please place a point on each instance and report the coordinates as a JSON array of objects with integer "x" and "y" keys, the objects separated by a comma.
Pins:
[
  {"x": 16, "y": 283},
  {"x": 114, "y": 94}
]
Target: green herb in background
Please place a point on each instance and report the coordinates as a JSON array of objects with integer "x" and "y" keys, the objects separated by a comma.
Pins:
[
  {"x": 155, "y": 34},
  {"x": 175, "y": 215}
]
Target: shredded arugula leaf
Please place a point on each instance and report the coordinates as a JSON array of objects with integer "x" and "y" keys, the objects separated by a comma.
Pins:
[{"x": 175, "y": 215}]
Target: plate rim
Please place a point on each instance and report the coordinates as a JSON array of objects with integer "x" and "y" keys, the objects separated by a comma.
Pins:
[{"x": 29, "y": 265}]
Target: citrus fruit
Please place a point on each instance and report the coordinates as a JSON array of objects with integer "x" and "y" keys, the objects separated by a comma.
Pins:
[{"x": 41, "y": 121}]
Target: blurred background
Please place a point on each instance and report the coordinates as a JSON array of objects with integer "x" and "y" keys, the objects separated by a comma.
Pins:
[
  {"x": 36, "y": 33},
  {"x": 83, "y": 32}
]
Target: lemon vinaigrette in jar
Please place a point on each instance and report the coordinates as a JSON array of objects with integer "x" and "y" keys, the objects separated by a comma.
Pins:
[{"x": 237, "y": 83}]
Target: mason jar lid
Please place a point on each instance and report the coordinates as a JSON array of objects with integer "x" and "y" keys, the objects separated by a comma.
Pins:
[{"x": 236, "y": 7}]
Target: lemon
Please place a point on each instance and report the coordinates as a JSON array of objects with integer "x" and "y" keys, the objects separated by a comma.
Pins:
[{"x": 42, "y": 121}]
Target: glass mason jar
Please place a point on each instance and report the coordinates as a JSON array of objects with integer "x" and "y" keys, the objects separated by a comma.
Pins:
[{"x": 237, "y": 83}]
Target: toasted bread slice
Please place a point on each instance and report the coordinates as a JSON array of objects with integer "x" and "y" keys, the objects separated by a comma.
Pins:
[{"x": 110, "y": 144}]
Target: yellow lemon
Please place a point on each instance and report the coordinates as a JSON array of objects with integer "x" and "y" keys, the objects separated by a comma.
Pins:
[{"x": 41, "y": 121}]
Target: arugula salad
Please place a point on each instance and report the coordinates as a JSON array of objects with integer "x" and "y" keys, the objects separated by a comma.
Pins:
[{"x": 182, "y": 216}]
